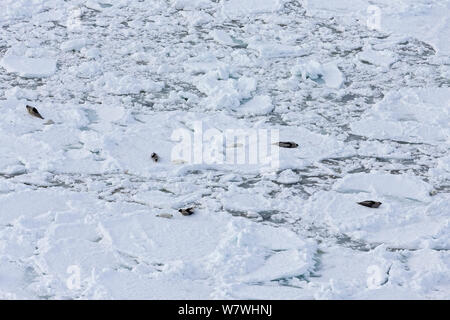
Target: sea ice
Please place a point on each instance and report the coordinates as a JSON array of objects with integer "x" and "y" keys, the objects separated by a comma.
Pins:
[
  {"x": 368, "y": 106},
  {"x": 258, "y": 105},
  {"x": 419, "y": 115},
  {"x": 75, "y": 44},
  {"x": 29, "y": 67},
  {"x": 239, "y": 8},
  {"x": 328, "y": 73},
  {"x": 222, "y": 37},
  {"x": 380, "y": 58}
]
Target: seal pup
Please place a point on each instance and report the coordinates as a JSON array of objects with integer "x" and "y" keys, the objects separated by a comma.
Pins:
[
  {"x": 34, "y": 112},
  {"x": 155, "y": 157},
  {"x": 370, "y": 204},
  {"x": 286, "y": 144},
  {"x": 186, "y": 212}
]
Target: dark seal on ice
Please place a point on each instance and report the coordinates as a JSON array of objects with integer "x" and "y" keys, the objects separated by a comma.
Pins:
[
  {"x": 370, "y": 204},
  {"x": 34, "y": 112},
  {"x": 186, "y": 212},
  {"x": 155, "y": 157},
  {"x": 286, "y": 144}
]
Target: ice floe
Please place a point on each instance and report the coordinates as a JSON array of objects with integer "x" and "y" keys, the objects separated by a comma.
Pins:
[
  {"x": 328, "y": 73},
  {"x": 75, "y": 44},
  {"x": 215, "y": 251},
  {"x": 29, "y": 67},
  {"x": 239, "y": 8},
  {"x": 400, "y": 210},
  {"x": 368, "y": 106},
  {"x": 380, "y": 58},
  {"x": 258, "y": 105},
  {"x": 419, "y": 115}
]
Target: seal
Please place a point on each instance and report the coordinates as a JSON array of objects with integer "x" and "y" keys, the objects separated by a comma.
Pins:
[
  {"x": 286, "y": 144},
  {"x": 370, "y": 204},
  {"x": 155, "y": 157},
  {"x": 34, "y": 112},
  {"x": 186, "y": 212}
]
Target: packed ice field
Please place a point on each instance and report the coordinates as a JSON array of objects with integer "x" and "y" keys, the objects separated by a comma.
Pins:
[{"x": 361, "y": 86}]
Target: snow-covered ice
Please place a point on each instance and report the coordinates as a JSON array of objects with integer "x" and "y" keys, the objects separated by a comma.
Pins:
[
  {"x": 29, "y": 67},
  {"x": 327, "y": 73},
  {"x": 412, "y": 115},
  {"x": 361, "y": 86}
]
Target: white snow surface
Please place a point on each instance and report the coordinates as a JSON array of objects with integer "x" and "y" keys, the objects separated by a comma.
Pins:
[
  {"x": 29, "y": 67},
  {"x": 86, "y": 214}
]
